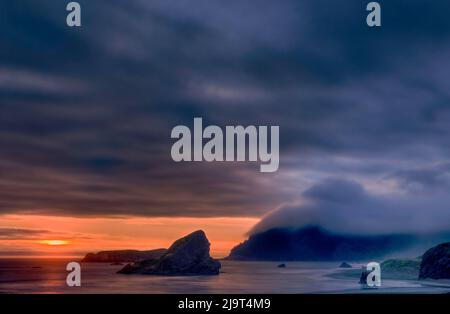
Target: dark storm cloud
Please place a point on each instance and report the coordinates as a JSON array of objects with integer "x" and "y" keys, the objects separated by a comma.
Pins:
[
  {"x": 346, "y": 207},
  {"x": 86, "y": 113},
  {"x": 15, "y": 233},
  {"x": 9, "y": 234},
  {"x": 434, "y": 177}
]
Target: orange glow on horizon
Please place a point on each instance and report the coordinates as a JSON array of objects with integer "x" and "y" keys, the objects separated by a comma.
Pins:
[
  {"x": 50, "y": 234},
  {"x": 54, "y": 242}
]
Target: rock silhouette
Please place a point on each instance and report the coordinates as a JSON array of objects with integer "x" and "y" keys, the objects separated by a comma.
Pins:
[
  {"x": 313, "y": 243},
  {"x": 122, "y": 256},
  {"x": 345, "y": 265},
  {"x": 436, "y": 262},
  {"x": 364, "y": 274},
  {"x": 187, "y": 256}
]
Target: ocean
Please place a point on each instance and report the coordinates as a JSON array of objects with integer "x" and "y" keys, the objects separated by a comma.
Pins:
[{"x": 49, "y": 276}]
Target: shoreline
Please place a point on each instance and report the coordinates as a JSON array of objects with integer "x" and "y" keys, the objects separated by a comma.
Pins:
[
  {"x": 246, "y": 277},
  {"x": 391, "y": 283}
]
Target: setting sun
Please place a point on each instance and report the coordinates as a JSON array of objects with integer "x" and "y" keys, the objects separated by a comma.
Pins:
[{"x": 54, "y": 242}]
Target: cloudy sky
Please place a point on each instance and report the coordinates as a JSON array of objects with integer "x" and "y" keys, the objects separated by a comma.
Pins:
[{"x": 86, "y": 115}]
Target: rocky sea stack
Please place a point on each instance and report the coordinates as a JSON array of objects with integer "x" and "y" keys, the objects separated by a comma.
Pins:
[
  {"x": 188, "y": 256},
  {"x": 122, "y": 256},
  {"x": 436, "y": 263},
  {"x": 345, "y": 265}
]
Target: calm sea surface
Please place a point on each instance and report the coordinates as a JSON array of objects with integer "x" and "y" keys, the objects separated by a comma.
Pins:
[{"x": 48, "y": 276}]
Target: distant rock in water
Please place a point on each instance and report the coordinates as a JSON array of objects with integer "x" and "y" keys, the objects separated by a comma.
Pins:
[
  {"x": 345, "y": 265},
  {"x": 436, "y": 262},
  {"x": 187, "y": 256},
  {"x": 315, "y": 244},
  {"x": 122, "y": 256},
  {"x": 364, "y": 274},
  {"x": 282, "y": 265}
]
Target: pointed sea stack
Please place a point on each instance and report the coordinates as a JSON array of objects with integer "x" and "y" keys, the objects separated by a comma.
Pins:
[{"x": 188, "y": 256}]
